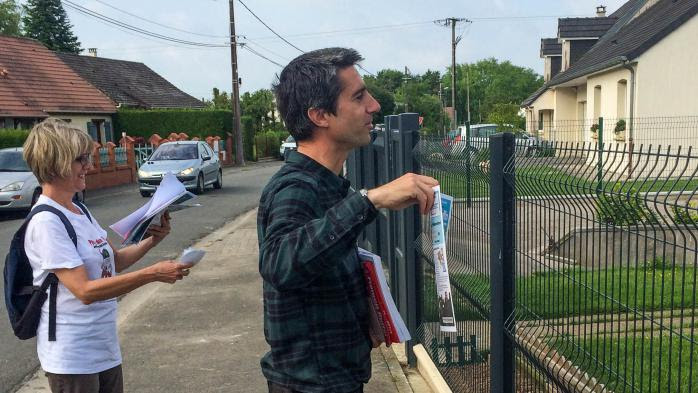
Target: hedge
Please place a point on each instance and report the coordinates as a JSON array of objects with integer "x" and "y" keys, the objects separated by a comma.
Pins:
[
  {"x": 201, "y": 123},
  {"x": 248, "y": 145},
  {"x": 10, "y": 137},
  {"x": 267, "y": 143}
]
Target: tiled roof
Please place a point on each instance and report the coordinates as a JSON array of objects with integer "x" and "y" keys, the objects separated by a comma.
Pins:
[
  {"x": 633, "y": 38},
  {"x": 584, "y": 27},
  {"x": 550, "y": 47},
  {"x": 130, "y": 83},
  {"x": 34, "y": 82}
]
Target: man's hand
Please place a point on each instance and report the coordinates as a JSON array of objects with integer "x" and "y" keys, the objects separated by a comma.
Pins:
[{"x": 405, "y": 191}]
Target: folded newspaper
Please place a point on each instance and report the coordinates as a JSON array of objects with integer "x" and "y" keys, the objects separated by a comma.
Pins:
[{"x": 170, "y": 195}]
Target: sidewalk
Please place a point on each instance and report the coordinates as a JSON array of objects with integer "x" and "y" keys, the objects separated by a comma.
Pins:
[{"x": 204, "y": 334}]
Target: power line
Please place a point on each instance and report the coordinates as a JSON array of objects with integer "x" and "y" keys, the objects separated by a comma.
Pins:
[
  {"x": 160, "y": 24},
  {"x": 246, "y": 47},
  {"x": 267, "y": 26},
  {"x": 104, "y": 18}
]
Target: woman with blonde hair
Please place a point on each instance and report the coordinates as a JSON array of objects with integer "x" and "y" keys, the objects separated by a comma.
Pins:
[{"x": 78, "y": 347}]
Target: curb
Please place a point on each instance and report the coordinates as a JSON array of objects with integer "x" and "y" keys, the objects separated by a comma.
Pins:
[{"x": 429, "y": 372}]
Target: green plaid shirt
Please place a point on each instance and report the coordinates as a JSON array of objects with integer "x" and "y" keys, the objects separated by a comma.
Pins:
[{"x": 315, "y": 307}]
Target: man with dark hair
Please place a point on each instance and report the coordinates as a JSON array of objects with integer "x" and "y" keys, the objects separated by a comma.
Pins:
[{"x": 315, "y": 307}]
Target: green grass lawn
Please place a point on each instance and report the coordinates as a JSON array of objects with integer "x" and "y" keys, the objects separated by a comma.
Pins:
[
  {"x": 578, "y": 292},
  {"x": 645, "y": 364},
  {"x": 545, "y": 180}
]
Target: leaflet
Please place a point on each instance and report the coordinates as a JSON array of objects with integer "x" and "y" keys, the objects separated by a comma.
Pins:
[
  {"x": 447, "y": 320},
  {"x": 133, "y": 227},
  {"x": 192, "y": 255}
]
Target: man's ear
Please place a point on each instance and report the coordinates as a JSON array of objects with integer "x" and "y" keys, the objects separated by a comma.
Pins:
[{"x": 318, "y": 117}]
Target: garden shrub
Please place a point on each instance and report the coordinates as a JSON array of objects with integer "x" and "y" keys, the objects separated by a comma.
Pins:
[
  {"x": 10, "y": 137},
  {"x": 193, "y": 122},
  {"x": 623, "y": 206}
]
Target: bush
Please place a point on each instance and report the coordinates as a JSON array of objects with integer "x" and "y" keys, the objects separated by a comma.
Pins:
[
  {"x": 686, "y": 214},
  {"x": 623, "y": 207},
  {"x": 10, "y": 137},
  {"x": 248, "y": 139},
  {"x": 193, "y": 122},
  {"x": 620, "y": 126},
  {"x": 268, "y": 143}
]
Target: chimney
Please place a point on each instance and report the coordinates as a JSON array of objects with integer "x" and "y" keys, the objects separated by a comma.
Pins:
[
  {"x": 601, "y": 11},
  {"x": 92, "y": 51}
]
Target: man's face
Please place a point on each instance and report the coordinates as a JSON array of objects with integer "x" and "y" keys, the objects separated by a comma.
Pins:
[{"x": 351, "y": 125}]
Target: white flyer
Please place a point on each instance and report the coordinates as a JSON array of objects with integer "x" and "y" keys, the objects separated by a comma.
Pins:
[
  {"x": 192, "y": 255},
  {"x": 447, "y": 319}
]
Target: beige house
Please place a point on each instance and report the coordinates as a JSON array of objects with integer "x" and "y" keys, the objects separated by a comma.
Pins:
[{"x": 636, "y": 65}]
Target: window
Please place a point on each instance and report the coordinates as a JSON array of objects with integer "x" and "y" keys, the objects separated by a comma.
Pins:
[
  {"x": 622, "y": 98},
  {"x": 597, "y": 102}
]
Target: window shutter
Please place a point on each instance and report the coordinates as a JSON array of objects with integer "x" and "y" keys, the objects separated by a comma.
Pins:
[
  {"x": 92, "y": 130},
  {"x": 108, "y": 132}
]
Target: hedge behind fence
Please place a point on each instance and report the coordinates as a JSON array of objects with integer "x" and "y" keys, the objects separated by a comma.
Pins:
[
  {"x": 201, "y": 123},
  {"x": 10, "y": 137}
]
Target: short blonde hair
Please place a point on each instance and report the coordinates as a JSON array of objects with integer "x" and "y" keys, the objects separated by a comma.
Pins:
[{"x": 51, "y": 148}]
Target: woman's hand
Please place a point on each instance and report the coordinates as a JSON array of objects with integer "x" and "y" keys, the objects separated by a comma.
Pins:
[
  {"x": 170, "y": 271},
  {"x": 159, "y": 232}
]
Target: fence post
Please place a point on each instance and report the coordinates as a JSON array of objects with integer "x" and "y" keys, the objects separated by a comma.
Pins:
[
  {"x": 599, "y": 171},
  {"x": 502, "y": 211},
  {"x": 409, "y": 225},
  {"x": 468, "y": 164}
]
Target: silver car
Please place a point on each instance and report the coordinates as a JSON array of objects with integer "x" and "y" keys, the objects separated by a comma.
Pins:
[
  {"x": 193, "y": 162},
  {"x": 19, "y": 188}
]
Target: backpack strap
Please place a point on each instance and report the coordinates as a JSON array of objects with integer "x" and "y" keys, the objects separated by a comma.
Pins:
[
  {"x": 51, "y": 279},
  {"x": 82, "y": 207}
]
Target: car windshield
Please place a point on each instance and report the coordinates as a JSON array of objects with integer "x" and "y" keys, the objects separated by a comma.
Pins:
[
  {"x": 12, "y": 161},
  {"x": 290, "y": 139},
  {"x": 175, "y": 152}
]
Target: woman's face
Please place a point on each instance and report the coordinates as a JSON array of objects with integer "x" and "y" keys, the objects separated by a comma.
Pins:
[{"x": 78, "y": 170}]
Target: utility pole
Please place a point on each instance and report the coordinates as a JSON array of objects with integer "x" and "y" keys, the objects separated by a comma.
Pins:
[
  {"x": 237, "y": 131},
  {"x": 405, "y": 78},
  {"x": 454, "y": 42}
]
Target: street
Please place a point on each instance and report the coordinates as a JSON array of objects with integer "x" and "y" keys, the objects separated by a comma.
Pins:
[{"x": 240, "y": 193}]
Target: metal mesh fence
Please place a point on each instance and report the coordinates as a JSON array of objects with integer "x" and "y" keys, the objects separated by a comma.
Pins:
[{"x": 605, "y": 259}]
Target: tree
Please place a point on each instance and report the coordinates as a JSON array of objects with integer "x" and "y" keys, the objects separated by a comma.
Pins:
[
  {"x": 220, "y": 100},
  {"x": 260, "y": 107},
  {"x": 491, "y": 83},
  {"x": 383, "y": 96},
  {"x": 507, "y": 117},
  {"x": 46, "y": 21},
  {"x": 10, "y": 18}
]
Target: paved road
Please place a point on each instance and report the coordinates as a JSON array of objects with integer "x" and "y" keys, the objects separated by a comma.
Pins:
[{"x": 240, "y": 193}]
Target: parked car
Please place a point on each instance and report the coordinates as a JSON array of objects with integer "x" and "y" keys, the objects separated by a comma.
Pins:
[
  {"x": 19, "y": 188},
  {"x": 287, "y": 146},
  {"x": 526, "y": 144},
  {"x": 193, "y": 162}
]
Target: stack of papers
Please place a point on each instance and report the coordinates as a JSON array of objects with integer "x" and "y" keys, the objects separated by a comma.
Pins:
[
  {"x": 385, "y": 317},
  {"x": 171, "y": 191}
]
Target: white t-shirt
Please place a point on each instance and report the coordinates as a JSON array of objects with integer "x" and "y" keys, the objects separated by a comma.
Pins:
[{"x": 86, "y": 338}]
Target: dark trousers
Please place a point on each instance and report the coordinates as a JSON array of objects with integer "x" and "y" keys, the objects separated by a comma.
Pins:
[
  {"x": 107, "y": 381},
  {"x": 274, "y": 388}
]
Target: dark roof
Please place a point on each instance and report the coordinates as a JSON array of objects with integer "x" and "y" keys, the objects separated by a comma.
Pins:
[
  {"x": 584, "y": 27},
  {"x": 550, "y": 47},
  {"x": 628, "y": 7},
  {"x": 633, "y": 38},
  {"x": 34, "y": 82},
  {"x": 130, "y": 83}
]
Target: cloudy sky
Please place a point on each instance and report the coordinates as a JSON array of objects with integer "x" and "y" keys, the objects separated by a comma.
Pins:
[{"x": 388, "y": 33}]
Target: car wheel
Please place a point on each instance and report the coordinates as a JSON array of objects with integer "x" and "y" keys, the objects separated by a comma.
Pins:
[
  {"x": 35, "y": 196},
  {"x": 219, "y": 181},
  {"x": 199, "y": 185},
  {"x": 145, "y": 194}
]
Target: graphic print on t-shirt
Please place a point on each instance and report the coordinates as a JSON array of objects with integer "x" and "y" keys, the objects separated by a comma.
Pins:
[{"x": 106, "y": 257}]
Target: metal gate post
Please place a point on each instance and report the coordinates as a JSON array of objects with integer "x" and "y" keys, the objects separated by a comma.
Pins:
[{"x": 502, "y": 209}]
